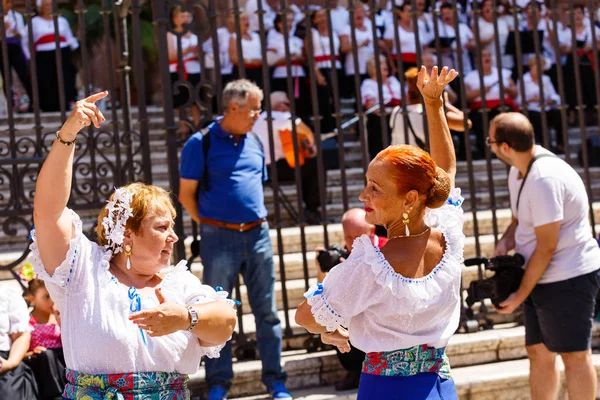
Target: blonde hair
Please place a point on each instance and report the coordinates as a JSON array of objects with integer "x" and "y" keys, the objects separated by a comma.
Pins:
[
  {"x": 371, "y": 64},
  {"x": 145, "y": 199}
]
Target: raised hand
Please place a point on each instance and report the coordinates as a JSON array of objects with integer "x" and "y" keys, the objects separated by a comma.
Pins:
[
  {"x": 431, "y": 89},
  {"x": 84, "y": 114}
]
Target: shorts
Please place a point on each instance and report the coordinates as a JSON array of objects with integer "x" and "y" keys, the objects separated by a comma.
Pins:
[{"x": 560, "y": 314}]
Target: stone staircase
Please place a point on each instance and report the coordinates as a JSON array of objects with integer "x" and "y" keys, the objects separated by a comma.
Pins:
[{"x": 487, "y": 364}]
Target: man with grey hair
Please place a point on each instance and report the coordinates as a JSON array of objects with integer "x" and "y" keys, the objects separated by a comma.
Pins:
[{"x": 222, "y": 172}]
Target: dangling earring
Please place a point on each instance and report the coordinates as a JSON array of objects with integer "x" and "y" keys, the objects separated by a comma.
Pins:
[
  {"x": 405, "y": 221},
  {"x": 128, "y": 254}
]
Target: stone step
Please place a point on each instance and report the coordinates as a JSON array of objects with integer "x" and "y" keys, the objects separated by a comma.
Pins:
[{"x": 486, "y": 359}]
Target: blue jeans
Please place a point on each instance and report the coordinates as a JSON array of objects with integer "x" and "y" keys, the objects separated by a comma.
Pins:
[{"x": 225, "y": 254}]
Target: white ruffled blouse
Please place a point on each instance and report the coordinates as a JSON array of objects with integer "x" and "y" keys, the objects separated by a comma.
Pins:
[
  {"x": 97, "y": 336},
  {"x": 385, "y": 311}
]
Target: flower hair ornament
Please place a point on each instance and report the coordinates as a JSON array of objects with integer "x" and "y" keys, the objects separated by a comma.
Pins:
[
  {"x": 119, "y": 211},
  {"x": 26, "y": 273}
]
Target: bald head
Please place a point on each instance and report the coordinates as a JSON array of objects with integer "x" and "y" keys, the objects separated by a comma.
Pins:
[
  {"x": 513, "y": 129},
  {"x": 354, "y": 225}
]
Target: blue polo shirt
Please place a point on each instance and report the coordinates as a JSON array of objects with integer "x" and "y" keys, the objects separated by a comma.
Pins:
[{"x": 235, "y": 174}]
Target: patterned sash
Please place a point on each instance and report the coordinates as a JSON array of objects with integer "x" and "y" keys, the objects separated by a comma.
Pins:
[
  {"x": 408, "y": 362},
  {"x": 126, "y": 386}
]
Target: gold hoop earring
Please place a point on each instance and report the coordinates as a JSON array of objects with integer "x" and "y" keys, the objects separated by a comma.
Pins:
[
  {"x": 128, "y": 254},
  {"x": 405, "y": 221}
]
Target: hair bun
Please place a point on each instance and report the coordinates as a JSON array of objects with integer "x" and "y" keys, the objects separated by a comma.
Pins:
[{"x": 440, "y": 189}]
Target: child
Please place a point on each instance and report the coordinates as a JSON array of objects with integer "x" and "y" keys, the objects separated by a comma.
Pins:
[{"x": 45, "y": 355}]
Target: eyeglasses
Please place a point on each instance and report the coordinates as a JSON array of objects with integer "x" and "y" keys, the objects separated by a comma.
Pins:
[
  {"x": 489, "y": 142},
  {"x": 254, "y": 113}
]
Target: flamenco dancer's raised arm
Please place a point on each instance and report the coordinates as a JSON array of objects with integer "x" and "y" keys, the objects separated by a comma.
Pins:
[{"x": 440, "y": 141}]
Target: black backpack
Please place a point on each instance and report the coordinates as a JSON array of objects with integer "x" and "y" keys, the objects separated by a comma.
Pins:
[{"x": 593, "y": 147}]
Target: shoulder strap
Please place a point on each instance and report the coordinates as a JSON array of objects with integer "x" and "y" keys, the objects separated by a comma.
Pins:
[
  {"x": 534, "y": 159},
  {"x": 262, "y": 149},
  {"x": 205, "y": 146}
]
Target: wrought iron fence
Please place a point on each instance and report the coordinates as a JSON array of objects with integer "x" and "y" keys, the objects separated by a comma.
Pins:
[{"x": 122, "y": 152}]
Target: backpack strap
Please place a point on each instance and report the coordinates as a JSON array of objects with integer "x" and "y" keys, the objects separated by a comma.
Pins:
[
  {"x": 205, "y": 146},
  {"x": 262, "y": 149}
]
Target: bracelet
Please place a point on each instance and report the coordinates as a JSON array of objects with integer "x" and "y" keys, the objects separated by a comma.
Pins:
[
  {"x": 64, "y": 141},
  {"x": 193, "y": 318}
]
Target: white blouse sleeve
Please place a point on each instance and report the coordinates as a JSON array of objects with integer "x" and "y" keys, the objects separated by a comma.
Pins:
[
  {"x": 368, "y": 91},
  {"x": 194, "y": 292},
  {"x": 18, "y": 316},
  {"x": 68, "y": 33},
  {"x": 347, "y": 291},
  {"x": 449, "y": 219},
  {"x": 72, "y": 271}
]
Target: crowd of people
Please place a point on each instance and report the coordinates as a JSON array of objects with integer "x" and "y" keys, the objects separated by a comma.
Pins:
[{"x": 482, "y": 46}]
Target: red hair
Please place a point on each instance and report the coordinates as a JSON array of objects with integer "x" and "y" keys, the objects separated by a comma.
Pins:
[{"x": 414, "y": 169}]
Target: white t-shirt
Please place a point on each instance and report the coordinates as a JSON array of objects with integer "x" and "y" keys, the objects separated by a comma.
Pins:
[
  {"x": 281, "y": 120},
  {"x": 555, "y": 192},
  {"x": 448, "y": 31},
  {"x": 43, "y": 34},
  {"x": 276, "y": 45},
  {"x": 225, "y": 63},
  {"x": 340, "y": 18},
  {"x": 191, "y": 63},
  {"x": 486, "y": 32},
  {"x": 14, "y": 316},
  {"x": 364, "y": 53},
  {"x": 415, "y": 116},
  {"x": 385, "y": 311},
  {"x": 322, "y": 49},
  {"x": 369, "y": 90},
  {"x": 408, "y": 44},
  {"x": 532, "y": 90},
  {"x": 251, "y": 49},
  {"x": 268, "y": 17},
  {"x": 472, "y": 82},
  {"x": 97, "y": 335}
]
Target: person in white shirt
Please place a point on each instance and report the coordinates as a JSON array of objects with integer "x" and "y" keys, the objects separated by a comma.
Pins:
[
  {"x": 447, "y": 31},
  {"x": 362, "y": 299},
  {"x": 488, "y": 34},
  {"x": 251, "y": 57},
  {"x": 340, "y": 16},
  {"x": 269, "y": 7},
  {"x": 17, "y": 380},
  {"x": 16, "y": 43},
  {"x": 190, "y": 71},
  {"x": 587, "y": 73},
  {"x": 276, "y": 57},
  {"x": 369, "y": 92},
  {"x": 534, "y": 82},
  {"x": 45, "y": 49},
  {"x": 365, "y": 49},
  {"x": 130, "y": 323},
  {"x": 325, "y": 63},
  {"x": 491, "y": 81},
  {"x": 284, "y": 152},
  {"x": 406, "y": 35},
  {"x": 551, "y": 229},
  {"x": 223, "y": 35}
]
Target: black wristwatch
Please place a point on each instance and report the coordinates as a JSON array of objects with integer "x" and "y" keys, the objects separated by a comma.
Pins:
[{"x": 193, "y": 318}]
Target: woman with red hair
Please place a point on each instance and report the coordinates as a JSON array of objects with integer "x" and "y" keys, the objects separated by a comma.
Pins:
[{"x": 401, "y": 304}]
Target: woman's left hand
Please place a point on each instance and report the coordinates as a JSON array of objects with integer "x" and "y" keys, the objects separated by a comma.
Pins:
[
  {"x": 338, "y": 338},
  {"x": 163, "y": 320},
  {"x": 431, "y": 89}
]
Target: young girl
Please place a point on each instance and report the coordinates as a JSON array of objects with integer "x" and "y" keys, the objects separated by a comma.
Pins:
[{"x": 45, "y": 355}]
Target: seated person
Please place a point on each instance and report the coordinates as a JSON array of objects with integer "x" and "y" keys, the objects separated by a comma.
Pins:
[
  {"x": 45, "y": 355},
  {"x": 284, "y": 152},
  {"x": 533, "y": 80},
  {"x": 353, "y": 225}
]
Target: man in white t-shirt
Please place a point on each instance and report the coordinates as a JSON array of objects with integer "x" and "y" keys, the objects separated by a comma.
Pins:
[
  {"x": 283, "y": 151},
  {"x": 551, "y": 229}
]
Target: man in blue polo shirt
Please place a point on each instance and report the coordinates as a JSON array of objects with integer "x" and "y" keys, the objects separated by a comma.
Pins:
[{"x": 224, "y": 194}]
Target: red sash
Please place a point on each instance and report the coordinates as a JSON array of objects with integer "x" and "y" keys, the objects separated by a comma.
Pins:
[
  {"x": 48, "y": 39},
  {"x": 185, "y": 73},
  {"x": 491, "y": 104},
  {"x": 326, "y": 58},
  {"x": 406, "y": 57}
]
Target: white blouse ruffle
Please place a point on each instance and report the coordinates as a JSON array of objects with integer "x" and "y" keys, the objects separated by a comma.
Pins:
[
  {"x": 386, "y": 311},
  {"x": 98, "y": 337}
]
